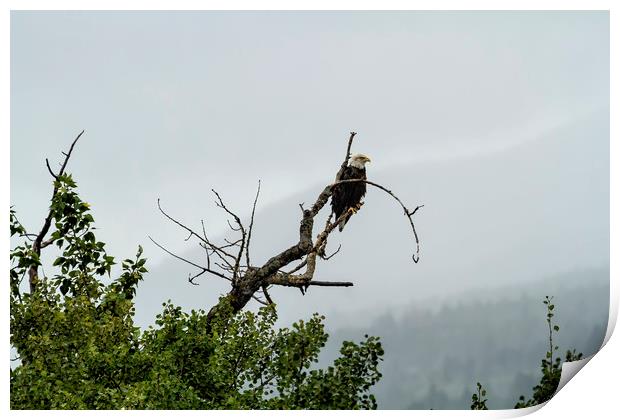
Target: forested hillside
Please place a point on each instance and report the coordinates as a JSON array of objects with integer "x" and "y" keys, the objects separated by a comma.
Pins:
[{"x": 435, "y": 354}]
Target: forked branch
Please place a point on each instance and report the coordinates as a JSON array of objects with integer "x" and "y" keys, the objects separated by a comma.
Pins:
[{"x": 247, "y": 248}]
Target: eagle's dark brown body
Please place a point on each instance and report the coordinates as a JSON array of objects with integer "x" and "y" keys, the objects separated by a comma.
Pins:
[{"x": 350, "y": 194}]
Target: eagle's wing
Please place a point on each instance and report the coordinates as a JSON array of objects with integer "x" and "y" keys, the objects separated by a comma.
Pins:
[
  {"x": 351, "y": 194},
  {"x": 339, "y": 195}
]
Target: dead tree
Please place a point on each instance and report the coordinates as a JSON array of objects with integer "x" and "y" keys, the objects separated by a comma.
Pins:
[{"x": 231, "y": 260}]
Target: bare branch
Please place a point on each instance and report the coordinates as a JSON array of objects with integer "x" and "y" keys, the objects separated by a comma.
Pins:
[
  {"x": 227, "y": 267},
  {"x": 408, "y": 214},
  {"x": 247, "y": 246},
  {"x": 218, "y": 252},
  {"x": 232, "y": 227},
  {"x": 220, "y": 204},
  {"x": 208, "y": 245},
  {"x": 416, "y": 209},
  {"x": 175, "y": 221},
  {"x": 47, "y": 163},
  {"x": 293, "y": 282},
  {"x": 331, "y": 283},
  {"x": 230, "y": 243},
  {"x": 298, "y": 267},
  {"x": 243, "y": 235},
  {"x": 191, "y": 278},
  {"x": 205, "y": 269},
  {"x": 204, "y": 246},
  {"x": 68, "y": 155},
  {"x": 262, "y": 302},
  {"x": 28, "y": 235},
  {"x": 345, "y": 163},
  {"x": 267, "y": 294},
  {"x": 44, "y": 244},
  {"x": 332, "y": 254}
]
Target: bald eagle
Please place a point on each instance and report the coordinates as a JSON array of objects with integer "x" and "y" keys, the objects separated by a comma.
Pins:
[{"x": 347, "y": 197}]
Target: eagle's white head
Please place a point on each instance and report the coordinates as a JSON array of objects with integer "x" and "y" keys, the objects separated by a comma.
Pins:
[{"x": 359, "y": 160}]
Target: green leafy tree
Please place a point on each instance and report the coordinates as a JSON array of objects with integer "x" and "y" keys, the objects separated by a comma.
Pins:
[
  {"x": 78, "y": 347},
  {"x": 478, "y": 402},
  {"x": 551, "y": 370}
]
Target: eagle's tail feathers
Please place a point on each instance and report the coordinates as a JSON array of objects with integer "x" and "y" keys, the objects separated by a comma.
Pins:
[{"x": 344, "y": 221}]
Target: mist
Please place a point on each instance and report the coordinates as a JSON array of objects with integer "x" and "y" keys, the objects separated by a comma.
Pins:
[{"x": 496, "y": 122}]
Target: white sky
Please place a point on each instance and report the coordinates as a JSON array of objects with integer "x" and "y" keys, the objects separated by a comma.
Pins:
[{"x": 175, "y": 103}]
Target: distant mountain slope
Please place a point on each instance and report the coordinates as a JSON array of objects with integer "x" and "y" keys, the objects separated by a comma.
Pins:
[{"x": 435, "y": 354}]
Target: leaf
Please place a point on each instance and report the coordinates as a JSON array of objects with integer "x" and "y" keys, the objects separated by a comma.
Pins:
[
  {"x": 64, "y": 287},
  {"x": 89, "y": 236}
]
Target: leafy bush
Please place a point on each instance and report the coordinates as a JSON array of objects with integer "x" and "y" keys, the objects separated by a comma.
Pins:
[{"x": 78, "y": 346}]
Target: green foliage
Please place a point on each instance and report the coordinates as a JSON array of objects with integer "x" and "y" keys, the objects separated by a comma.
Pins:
[
  {"x": 551, "y": 370},
  {"x": 242, "y": 362},
  {"x": 79, "y": 348},
  {"x": 82, "y": 254},
  {"x": 478, "y": 402}
]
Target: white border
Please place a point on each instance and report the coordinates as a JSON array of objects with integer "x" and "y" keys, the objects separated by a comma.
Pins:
[
  {"x": 593, "y": 393},
  {"x": 312, "y": 5}
]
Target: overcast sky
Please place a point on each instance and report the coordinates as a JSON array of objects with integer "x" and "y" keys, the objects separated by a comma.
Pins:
[{"x": 177, "y": 103}]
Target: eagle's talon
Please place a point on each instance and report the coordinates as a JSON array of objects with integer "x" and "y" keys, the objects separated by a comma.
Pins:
[{"x": 354, "y": 209}]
